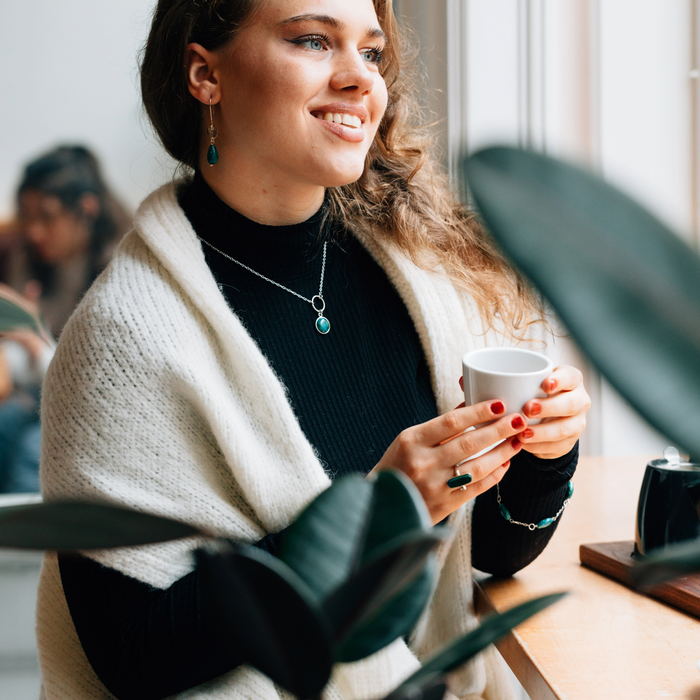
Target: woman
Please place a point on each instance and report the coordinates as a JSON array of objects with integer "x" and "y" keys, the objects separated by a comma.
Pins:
[
  {"x": 68, "y": 224},
  {"x": 295, "y": 311}
]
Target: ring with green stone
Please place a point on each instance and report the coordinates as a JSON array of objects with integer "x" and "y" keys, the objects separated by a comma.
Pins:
[{"x": 462, "y": 480}]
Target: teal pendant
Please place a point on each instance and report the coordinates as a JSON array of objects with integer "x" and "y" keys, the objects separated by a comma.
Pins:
[
  {"x": 570, "y": 490},
  {"x": 544, "y": 523},
  {"x": 323, "y": 325},
  {"x": 212, "y": 155},
  {"x": 504, "y": 511}
]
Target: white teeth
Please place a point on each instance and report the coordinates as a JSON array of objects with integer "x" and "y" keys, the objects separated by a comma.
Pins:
[{"x": 344, "y": 119}]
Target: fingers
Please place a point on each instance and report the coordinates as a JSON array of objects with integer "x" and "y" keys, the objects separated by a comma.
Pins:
[
  {"x": 564, "y": 378},
  {"x": 455, "y": 422},
  {"x": 472, "y": 442},
  {"x": 567, "y": 402},
  {"x": 554, "y": 438}
]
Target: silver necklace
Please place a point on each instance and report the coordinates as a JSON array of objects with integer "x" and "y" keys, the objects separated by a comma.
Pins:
[{"x": 322, "y": 324}]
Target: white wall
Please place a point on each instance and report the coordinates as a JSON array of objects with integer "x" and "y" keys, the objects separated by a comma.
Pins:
[{"x": 69, "y": 75}]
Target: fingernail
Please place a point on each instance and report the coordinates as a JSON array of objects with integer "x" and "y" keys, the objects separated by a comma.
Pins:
[
  {"x": 527, "y": 434},
  {"x": 535, "y": 409},
  {"x": 506, "y": 464},
  {"x": 515, "y": 443},
  {"x": 517, "y": 423},
  {"x": 457, "y": 481},
  {"x": 497, "y": 407},
  {"x": 552, "y": 384}
]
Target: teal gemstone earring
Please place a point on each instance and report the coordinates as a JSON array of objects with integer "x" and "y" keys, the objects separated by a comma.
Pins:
[{"x": 212, "y": 153}]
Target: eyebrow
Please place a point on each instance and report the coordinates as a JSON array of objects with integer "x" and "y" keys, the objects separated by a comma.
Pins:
[{"x": 372, "y": 32}]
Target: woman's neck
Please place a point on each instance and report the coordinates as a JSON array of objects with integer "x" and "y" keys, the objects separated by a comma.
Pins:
[{"x": 261, "y": 199}]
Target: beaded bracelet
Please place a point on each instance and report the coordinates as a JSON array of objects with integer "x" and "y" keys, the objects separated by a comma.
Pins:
[{"x": 546, "y": 522}]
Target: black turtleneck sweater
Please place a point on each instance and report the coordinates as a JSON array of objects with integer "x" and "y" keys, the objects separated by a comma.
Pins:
[{"x": 353, "y": 391}]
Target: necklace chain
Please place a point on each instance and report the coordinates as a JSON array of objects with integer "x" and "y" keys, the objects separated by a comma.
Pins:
[{"x": 322, "y": 324}]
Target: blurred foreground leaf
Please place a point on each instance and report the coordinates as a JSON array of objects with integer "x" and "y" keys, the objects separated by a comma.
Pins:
[
  {"x": 430, "y": 688},
  {"x": 666, "y": 564},
  {"x": 71, "y": 525},
  {"x": 335, "y": 544},
  {"x": 16, "y": 313},
  {"x": 626, "y": 287},
  {"x": 324, "y": 544},
  {"x": 274, "y": 618},
  {"x": 490, "y": 631},
  {"x": 357, "y": 610}
]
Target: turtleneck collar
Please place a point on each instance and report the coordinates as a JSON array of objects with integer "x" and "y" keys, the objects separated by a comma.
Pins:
[{"x": 280, "y": 252}]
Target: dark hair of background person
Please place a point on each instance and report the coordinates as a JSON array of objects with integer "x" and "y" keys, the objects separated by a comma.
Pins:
[
  {"x": 403, "y": 197},
  {"x": 68, "y": 173}
]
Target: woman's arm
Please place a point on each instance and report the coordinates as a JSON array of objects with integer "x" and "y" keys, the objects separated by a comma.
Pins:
[
  {"x": 533, "y": 489},
  {"x": 147, "y": 643}
]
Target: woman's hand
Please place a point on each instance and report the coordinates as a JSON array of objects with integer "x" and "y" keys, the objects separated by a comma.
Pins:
[
  {"x": 427, "y": 454},
  {"x": 563, "y": 414}
]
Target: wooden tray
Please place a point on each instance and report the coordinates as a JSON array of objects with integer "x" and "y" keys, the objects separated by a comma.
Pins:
[{"x": 614, "y": 559}]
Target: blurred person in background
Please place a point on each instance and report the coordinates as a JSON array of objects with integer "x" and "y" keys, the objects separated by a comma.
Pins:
[{"x": 67, "y": 227}]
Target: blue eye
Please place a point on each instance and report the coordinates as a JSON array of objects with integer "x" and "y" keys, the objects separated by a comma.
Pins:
[
  {"x": 314, "y": 44},
  {"x": 373, "y": 56}
]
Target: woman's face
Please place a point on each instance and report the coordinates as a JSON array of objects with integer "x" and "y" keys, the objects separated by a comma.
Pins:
[
  {"x": 55, "y": 233},
  {"x": 301, "y": 92}
]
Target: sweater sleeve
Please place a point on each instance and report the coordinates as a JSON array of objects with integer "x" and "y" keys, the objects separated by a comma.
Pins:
[
  {"x": 147, "y": 643},
  {"x": 532, "y": 489}
]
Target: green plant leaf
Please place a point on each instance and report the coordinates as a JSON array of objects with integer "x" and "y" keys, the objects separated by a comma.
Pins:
[
  {"x": 431, "y": 688},
  {"x": 72, "y": 525},
  {"x": 394, "y": 619},
  {"x": 324, "y": 543},
  {"x": 490, "y": 631},
  {"x": 273, "y": 616},
  {"x": 397, "y": 508},
  {"x": 15, "y": 313},
  {"x": 353, "y": 607},
  {"x": 626, "y": 287},
  {"x": 665, "y": 564}
]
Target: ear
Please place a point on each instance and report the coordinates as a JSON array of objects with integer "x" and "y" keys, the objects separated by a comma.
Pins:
[{"x": 201, "y": 74}]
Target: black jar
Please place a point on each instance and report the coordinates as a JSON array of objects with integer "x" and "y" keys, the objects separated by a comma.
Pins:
[{"x": 669, "y": 503}]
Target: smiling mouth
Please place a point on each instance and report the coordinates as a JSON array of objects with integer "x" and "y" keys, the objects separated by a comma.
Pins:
[{"x": 345, "y": 119}]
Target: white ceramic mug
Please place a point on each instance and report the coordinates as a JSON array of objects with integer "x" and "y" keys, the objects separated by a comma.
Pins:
[{"x": 511, "y": 375}]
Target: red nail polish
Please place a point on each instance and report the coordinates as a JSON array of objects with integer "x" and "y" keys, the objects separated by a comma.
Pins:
[
  {"x": 515, "y": 443},
  {"x": 506, "y": 464},
  {"x": 552, "y": 384},
  {"x": 527, "y": 434},
  {"x": 535, "y": 409},
  {"x": 517, "y": 423},
  {"x": 497, "y": 407}
]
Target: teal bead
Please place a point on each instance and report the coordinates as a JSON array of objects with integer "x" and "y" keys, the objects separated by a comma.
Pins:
[
  {"x": 323, "y": 325},
  {"x": 504, "y": 511},
  {"x": 544, "y": 523},
  {"x": 570, "y": 490},
  {"x": 212, "y": 155}
]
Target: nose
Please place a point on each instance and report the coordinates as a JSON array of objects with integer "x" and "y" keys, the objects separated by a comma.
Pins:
[{"x": 352, "y": 73}]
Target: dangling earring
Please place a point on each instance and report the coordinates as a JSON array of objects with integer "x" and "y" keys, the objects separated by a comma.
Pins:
[{"x": 212, "y": 153}]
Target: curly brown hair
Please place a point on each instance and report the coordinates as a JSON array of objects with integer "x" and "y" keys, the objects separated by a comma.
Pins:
[{"x": 403, "y": 196}]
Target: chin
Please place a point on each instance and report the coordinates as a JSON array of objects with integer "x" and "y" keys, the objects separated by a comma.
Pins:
[{"x": 343, "y": 176}]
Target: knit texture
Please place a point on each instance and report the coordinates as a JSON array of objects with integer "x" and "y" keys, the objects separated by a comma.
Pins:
[{"x": 160, "y": 400}]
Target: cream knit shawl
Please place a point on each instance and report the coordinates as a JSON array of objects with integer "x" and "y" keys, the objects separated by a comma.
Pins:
[{"x": 159, "y": 399}]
